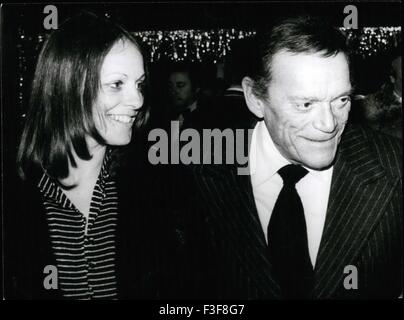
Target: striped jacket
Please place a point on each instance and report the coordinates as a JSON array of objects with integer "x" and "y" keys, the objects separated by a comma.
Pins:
[{"x": 363, "y": 227}]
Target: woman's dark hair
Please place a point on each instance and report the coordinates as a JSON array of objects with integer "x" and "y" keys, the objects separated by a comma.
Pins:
[
  {"x": 65, "y": 86},
  {"x": 303, "y": 34}
]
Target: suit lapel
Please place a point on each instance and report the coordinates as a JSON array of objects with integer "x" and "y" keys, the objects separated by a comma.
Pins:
[
  {"x": 237, "y": 214},
  {"x": 359, "y": 193}
]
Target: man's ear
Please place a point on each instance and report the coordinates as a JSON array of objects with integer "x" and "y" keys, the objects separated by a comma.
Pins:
[{"x": 254, "y": 104}]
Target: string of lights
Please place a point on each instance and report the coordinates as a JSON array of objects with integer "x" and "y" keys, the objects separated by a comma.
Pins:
[
  {"x": 203, "y": 46},
  {"x": 372, "y": 41},
  {"x": 191, "y": 45}
]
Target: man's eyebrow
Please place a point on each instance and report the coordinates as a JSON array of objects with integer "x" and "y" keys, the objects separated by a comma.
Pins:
[
  {"x": 307, "y": 98},
  {"x": 345, "y": 93},
  {"x": 312, "y": 98}
]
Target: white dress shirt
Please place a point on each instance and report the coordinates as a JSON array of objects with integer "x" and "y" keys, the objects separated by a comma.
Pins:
[{"x": 313, "y": 189}]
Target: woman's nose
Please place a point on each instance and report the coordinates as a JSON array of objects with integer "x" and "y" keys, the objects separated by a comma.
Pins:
[{"x": 135, "y": 97}]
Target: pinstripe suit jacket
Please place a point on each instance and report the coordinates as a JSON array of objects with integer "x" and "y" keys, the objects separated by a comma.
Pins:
[{"x": 363, "y": 226}]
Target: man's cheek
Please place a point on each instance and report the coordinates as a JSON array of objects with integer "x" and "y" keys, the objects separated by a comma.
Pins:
[
  {"x": 288, "y": 131},
  {"x": 342, "y": 116}
]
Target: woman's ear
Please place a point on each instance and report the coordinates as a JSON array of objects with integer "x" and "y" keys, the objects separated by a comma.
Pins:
[{"x": 254, "y": 103}]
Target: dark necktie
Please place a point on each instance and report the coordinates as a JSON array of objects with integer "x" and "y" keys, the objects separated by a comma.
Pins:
[{"x": 287, "y": 238}]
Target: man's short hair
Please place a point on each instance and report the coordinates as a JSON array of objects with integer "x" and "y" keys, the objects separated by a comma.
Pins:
[{"x": 294, "y": 35}]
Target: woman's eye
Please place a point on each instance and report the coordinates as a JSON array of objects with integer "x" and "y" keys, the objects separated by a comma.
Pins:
[
  {"x": 140, "y": 85},
  {"x": 116, "y": 84}
]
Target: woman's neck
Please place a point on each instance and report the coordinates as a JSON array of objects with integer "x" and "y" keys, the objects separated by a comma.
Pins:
[{"x": 86, "y": 170}]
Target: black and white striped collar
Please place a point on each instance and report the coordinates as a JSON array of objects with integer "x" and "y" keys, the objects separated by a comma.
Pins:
[{"x": 50, "y": 187}]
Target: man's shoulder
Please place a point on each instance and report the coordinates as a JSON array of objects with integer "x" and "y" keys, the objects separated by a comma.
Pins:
[{"x": 383, "y": 148}]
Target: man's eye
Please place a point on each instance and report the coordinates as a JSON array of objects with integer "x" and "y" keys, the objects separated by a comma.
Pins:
[
  {"x": 304, "y": 105},
  {"x": 345, "y": 99},
  {"x": 341, "y": 102}
]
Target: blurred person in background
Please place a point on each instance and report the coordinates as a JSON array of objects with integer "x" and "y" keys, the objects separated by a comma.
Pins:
[{"x": 382, "y": 110}]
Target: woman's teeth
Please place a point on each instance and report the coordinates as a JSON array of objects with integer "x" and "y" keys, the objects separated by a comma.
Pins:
[{"x": 122, "y": 118}]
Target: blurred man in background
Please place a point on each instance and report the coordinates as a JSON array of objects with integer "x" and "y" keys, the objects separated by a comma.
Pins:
[{"x": 382, "y": 110}]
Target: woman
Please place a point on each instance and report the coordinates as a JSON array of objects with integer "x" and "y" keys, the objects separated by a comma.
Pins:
[{"x": 74, "y": 237}]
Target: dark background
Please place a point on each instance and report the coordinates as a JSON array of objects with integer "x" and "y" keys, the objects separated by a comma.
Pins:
[
  {"x": 370, "y": 72},
  {"x": 167, "y": 16},
  {"x": 185, "y": 15}
]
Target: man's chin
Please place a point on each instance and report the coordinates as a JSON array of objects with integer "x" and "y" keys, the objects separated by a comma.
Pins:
[{"x": 319, "y": 164}]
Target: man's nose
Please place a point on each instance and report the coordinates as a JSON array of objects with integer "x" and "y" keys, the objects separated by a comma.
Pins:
[{"x": 325, "y": 120}]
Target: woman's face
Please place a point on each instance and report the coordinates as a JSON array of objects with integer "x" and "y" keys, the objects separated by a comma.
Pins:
[{"x": 120, "y": 95}]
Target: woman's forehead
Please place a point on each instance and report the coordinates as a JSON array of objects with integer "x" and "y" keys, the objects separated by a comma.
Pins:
[{"x": 123, "y": 57}]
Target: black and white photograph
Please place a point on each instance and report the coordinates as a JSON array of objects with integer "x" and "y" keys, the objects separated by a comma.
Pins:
[{"x": 183, "y": 152}]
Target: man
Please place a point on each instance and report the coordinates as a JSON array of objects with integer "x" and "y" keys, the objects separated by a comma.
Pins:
[
  {"x": 183, "y": 90},
  {"x": 229, "y": 109},
  {"x": 383, "y": 109},
  {"x": 320, "y": 214}
]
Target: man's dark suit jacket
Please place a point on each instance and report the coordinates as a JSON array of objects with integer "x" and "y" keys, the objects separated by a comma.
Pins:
[{"x": 363, "y": 227}]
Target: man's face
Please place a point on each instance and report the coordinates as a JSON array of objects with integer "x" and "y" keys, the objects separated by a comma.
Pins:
[
  {"x": 181, "y": 90},
  {"x": 308, "y": 106}
]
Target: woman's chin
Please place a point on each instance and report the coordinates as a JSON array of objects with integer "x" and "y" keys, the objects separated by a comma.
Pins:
[{"x": 121, "y": 141}]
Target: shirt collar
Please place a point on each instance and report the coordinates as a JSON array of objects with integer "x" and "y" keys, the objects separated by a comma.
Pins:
[
  {"x": 397, "y": 96},
  {"x": 104, "y": 173},
  {"x": 235, "y": 88},
  {"x": 266, "y": 160},
  {"x": 192, "y": 107},
  {"x": 50, "y": 188}
]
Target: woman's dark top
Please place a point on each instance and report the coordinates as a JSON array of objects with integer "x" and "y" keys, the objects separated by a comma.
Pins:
[
  {"x": 148, "y": 247},
  {"x": 84, "y": 249}
]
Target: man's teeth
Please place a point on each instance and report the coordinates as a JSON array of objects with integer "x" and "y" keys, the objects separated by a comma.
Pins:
[{"x": 121, "y": 118}]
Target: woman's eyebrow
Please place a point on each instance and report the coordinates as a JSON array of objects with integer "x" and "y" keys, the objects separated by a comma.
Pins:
[{"x": 115, "y": 73}]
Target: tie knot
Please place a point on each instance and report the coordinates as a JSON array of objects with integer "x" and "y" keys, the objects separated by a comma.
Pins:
[{"x": 292, "y": 173}]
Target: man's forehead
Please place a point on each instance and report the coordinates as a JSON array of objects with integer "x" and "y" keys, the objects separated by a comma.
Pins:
[
  {"x": 298, "y": 59},
  {"x": 309, "y": 71},
  {"x": 179, "y": 76}
]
